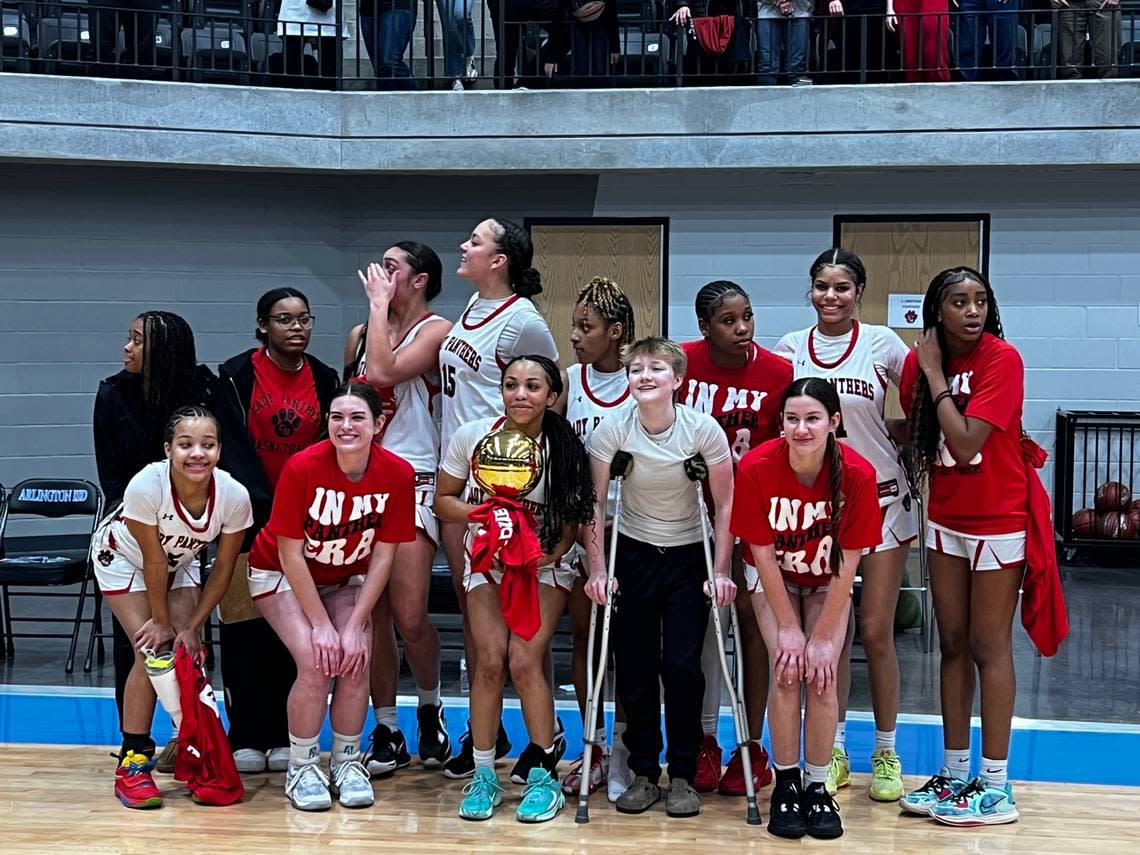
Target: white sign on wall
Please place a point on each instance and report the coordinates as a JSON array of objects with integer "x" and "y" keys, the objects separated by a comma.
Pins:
[{"x": 904, "y": 311}]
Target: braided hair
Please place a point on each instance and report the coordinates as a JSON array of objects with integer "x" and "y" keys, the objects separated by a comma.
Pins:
[
  {"x": 606, "y": 298},
  {"x": 823, "y": 391},
  {"x": 170, "y": 366},
  {"x": 712, "y": 296},
  {"x": 839, "y": 257},
  {"x": 567, "y": 466},
  {"x": 194, "y": 411},
  {"x": 513, "y": 241},
  {"x": 925, "y": 431},
  {"x": 265, "y": 306}
]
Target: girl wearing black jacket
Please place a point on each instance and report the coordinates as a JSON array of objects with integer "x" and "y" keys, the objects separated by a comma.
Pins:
[{"x": 272, "y": 401}]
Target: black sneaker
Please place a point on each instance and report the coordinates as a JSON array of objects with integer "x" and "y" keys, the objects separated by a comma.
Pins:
[
  {"x": 502, "y": 743},
  {"x": 821, "y": 813},
  {"x": 462, "y": 765},
  {"x": 387, "y": 751},
  {"x": 559, "y": 739},
  {"x": 533, "y": 757},
  {"x": 786, "y": 813},
  {"x": 434, "y": 743}
]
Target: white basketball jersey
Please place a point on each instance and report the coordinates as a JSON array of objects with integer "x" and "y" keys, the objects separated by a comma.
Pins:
[
  {"x": 591, "y": 395},
  {"x": 413, "y": 433},
  {"x": 149, "y": 499},
  {"x": 470, "y": 364},
  {"x": 860, "y": 365}
]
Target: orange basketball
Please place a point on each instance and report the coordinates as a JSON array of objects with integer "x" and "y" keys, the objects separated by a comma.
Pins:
[
  {"x": 1084, "y": 523},
  {"x": 1134, "y": 516},
  {"x": 1114, "y": 525},
  {"x": 1113, "y": 496}
]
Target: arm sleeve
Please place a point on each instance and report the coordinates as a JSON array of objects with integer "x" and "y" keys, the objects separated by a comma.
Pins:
[
  {"x": 398, "y": 523},
  {"x": 862, "y": 523},
  {"x": 712, "y": 441},
  {"x": 288, "y": 516},
  {"x": 143, "y": 497},
  {"x": 457, "y": 461},
  {"x": 525, "y": 333},
  {"x": 749, "y": 508},
  {"x": 240, "y": 516},
  {"x": 998, "y": 391}
]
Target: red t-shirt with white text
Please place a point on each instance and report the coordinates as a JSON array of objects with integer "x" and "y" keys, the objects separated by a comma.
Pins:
[
  {"x": 988, "y": 495},
  {"x": 284, "y": 413},
  {"x": 339, "y": 520},
  {"x": 771, "y": 506},
  {"x": 744, "y": 401}
]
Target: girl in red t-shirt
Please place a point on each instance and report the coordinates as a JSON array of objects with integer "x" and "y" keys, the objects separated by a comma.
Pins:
[
  {"x": 963, "y": 388},
  {"x": 740, "y": 384},
  {"x": 806, "y": 506},
  {"x": 341, "y": 508}
]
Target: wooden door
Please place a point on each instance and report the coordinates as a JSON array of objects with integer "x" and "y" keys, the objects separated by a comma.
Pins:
[
  {"x": 902, "y": 257},
  {"x": 569, "y": 256}
]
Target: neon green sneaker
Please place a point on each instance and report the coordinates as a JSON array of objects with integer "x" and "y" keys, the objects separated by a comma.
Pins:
[
  {"x": 838, "y": 772},
  {"x": 482, "y": 795},
  {"x": 542, "y": 798},
  {"x": 886, "y": 776}
]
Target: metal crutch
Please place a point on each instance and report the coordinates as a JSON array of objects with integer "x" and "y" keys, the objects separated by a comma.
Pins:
[
  {"x": 620, "y": 468},
  {"x": 697, "y": 470}
]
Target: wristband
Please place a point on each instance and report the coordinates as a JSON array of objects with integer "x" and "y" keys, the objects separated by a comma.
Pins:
[{"x": 938, "y": 400}]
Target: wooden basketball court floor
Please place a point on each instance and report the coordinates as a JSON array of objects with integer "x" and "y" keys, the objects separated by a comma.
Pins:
[{"x": 59, "y": 799}]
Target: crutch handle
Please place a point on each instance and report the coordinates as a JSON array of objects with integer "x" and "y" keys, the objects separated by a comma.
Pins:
[
  {"x": 621, "y": 465},
  {"x": 696, "y": 469}
]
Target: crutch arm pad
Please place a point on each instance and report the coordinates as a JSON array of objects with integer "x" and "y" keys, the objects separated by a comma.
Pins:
[
  {"x": 696, "y": 469},
  {"x": 621, "y": 465}
]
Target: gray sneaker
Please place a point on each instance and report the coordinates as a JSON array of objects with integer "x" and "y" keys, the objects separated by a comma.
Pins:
[
  {"x": 682, "y": 799},
  {"x": 164, "y": 762},
  {"x": 640, "y": 796},
  {"x": 307, "y": 787},
  {"x": 351, "y": 784}
]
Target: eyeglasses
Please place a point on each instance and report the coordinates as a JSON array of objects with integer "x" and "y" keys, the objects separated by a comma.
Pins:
[{"x": 286, "y": 321}]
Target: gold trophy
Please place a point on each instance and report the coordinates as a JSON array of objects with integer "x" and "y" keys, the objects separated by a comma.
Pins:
[{"x": 507, "y": 463}]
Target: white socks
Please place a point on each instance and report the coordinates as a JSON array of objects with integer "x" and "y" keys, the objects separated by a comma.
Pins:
[
  {"x": 387, "y": 716},
  {"x": 710, "y": 667},
  {"x": 957, "y": 760},
  {"x": 619, "y": 729},
  {"x": 841, "y": 736},
  {"x": 994, "y": 772},
  {"x": 884, "y": 740},
  {"x": 303, "y": 752},
  {"x": 428, "y": 697},
  {"x": 344, "y": 748},
  {"x": 815, "y": 774},
  {"x": 484, "y": 759}
]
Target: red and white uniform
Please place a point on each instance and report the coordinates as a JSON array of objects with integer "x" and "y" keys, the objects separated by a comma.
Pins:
[
  {"x": 284, "y": 413},
  {"x": 744, "y": 401},
  {"x": 150, "y": 499},
  {"x": 457, "y": 463},
  {"x": 339, "y": 520},
  {"x": 591, "y": 396},
  {"x": 979, "y": 510},
  {"x": 860, "y": 365},
  {"x": 472, "y": 357},
  {"x": 412, "y": 432},
  {"x": 771, "y": 506}
]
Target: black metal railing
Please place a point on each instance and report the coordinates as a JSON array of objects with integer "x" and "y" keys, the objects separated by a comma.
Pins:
[{"x": 462, "y": 44}]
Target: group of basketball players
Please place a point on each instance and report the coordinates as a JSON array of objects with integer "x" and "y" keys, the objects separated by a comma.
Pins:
[{"x": 331, "y": 541}]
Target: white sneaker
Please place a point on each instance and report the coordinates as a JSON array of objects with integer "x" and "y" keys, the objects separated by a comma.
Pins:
[
  {"x": 278, "y": 759},
  {"x": 619, "y": 778},
  {"x": 351, "y": 784},
  {"x": 457, "y": 85},
  {"x": 250, "y": 761},
  {"x": 472, "y": 69},
  {"x": 307, "y": 787}
]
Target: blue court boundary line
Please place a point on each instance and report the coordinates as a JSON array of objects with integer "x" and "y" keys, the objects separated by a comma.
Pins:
[{"x": 1059, "y": 751}]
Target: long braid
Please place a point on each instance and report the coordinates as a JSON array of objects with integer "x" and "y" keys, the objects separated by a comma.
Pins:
[
  {"x": 567, "y": 469},
  {"x": 606, "y": 298},
  {"x": 170, "y": 366},
  {"x": 925, "y": 430},
  {"x": 835, "y": 560}
]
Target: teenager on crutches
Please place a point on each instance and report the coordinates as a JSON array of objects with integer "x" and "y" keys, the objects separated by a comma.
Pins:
[
  {"x": 696, "y": 470},
  {"x": 659, "y": 570},
  {"x": 619, "y": 471}
]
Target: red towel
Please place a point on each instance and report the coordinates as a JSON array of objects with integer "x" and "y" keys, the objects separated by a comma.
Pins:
[
  {"x": 204, "y": 760},
  {"x": 714, "y": 33},
  {"x": 507, "y": 535},
  {"x": 1043, "y": 612}
]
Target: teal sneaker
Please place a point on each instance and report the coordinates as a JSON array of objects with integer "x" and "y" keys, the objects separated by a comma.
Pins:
[
  {"x": 938, "y": 789},
  {"x": 482, "y": 795},
  {"x": 542, "y": 798},
  {"x": 978, "y": 804}
]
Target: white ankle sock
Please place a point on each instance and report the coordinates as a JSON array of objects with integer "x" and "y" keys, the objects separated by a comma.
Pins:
[
  {"x": 302, "y": 752},
  {"x": 344, "y": 748},
  {"x": 484, "y": 759},
  {"x": 884, "y": 740},
  {"x": 994, "y": 772},
  {"x": 841, "y": 736},
  {"x": 619, "y": 729},
  {"x": 815, "y": 774},
  {"x": 428, "y": 697},
  {"x": 388, "y": 717},
  {"x": 957, "y": 760}
]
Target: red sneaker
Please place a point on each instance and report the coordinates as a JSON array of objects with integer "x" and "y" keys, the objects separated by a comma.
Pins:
[
  {"x": 732, "y": 782},
  {"x": 134, "y": 786},
  {"x": 708, "y": 765},
  {"x": 599, "y": 769}
]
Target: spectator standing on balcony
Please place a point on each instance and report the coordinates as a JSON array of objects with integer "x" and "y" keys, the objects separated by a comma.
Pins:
[
  {"x": 137, "y": 19},
  {"x": 865, "y": 43},
  {"x": 458, "y": 41},
  {"x": 998, "y": 20},
  {"x": 1097, "y": 19},
  {"x": 714, "y": 56},
  {"x": 509, "y": 17},
  {"x": 386, "y": 29},
  {"x": 783, "y": 33},
  {"x": 301, "y": 21},
  {"x": 925, "y": 25}
]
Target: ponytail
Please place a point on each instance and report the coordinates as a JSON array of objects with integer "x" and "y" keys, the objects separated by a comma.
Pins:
[{"x": 835, "y": 560}]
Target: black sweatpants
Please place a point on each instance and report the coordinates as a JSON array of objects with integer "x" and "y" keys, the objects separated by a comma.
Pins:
[
  {"x": 257, "y": 671},
  {"x": 659, "y": 630}
]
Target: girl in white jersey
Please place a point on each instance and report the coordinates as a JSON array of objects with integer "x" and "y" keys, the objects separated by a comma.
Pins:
[
  {"x": 861, "y": 360},
  {"x": 144, "y": 563},
  {"x": 499, "y": 322},
  {"x": 597, "y": 387},
  {"x": 397, "y": 352}
]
